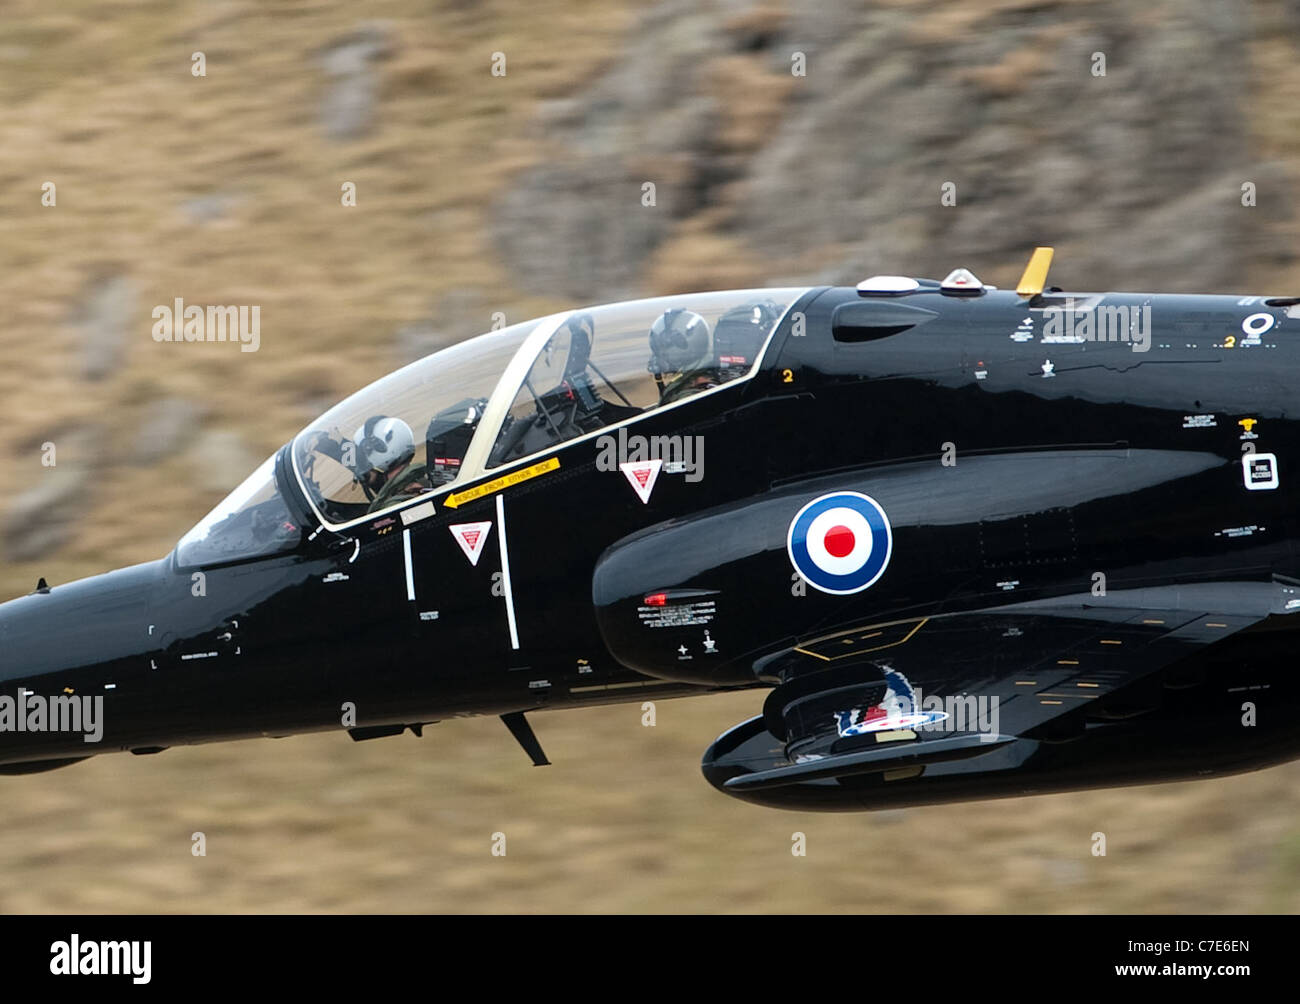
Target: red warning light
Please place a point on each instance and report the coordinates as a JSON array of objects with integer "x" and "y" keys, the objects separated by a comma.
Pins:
[{"x": 656, "y": 600}]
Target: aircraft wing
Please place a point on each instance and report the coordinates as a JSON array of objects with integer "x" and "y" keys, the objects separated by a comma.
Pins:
[{"x": 986, "y": 688}]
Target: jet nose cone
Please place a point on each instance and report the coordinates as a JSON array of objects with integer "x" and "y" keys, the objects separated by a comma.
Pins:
[
  {"x": 63, "y": 655},
  {"x": 70, "y": 628}
]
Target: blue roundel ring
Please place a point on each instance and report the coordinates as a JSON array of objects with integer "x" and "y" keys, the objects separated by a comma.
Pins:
[{"x": 852, "y": 580}]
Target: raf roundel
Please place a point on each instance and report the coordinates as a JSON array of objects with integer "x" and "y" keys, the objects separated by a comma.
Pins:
[{"x": 840, "y": 543}]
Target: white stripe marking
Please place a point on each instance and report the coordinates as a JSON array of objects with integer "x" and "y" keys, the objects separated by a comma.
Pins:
[
  {"x": 410, "y": 576},
  {"x": 505, "y": 572}
]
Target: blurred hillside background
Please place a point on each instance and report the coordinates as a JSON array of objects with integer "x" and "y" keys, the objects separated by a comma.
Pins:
[{"x": 522, "y": 194}]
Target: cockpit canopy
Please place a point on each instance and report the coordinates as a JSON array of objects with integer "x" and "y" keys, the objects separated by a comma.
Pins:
[
  {"x": 495, "y": 400},
  {"x": 407, "y": 433}
]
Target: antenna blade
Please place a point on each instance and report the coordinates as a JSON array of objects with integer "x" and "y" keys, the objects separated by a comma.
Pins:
[{"x": 1035, "y": 278}]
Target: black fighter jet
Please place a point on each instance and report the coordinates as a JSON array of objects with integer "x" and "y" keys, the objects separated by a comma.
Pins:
[{"x": 971, "y": 543}]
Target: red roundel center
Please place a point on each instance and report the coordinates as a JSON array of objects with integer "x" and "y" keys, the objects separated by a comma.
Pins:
[{"x": 839, "y": 541}]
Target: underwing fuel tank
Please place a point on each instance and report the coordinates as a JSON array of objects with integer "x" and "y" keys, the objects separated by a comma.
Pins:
[
  {"x": 1169, "y": 746},
  {"x": 1191, "y": 726}
]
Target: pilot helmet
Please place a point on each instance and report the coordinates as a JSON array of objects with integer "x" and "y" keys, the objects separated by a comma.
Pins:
[
  {"x": 679, "y": 341},
  {"x": 764, "y": 314},
  {"x": 382, "y": 443}
]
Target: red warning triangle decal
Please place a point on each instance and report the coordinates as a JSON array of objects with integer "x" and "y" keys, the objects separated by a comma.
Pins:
[
  {"x": 642, "y": 475},
  {"x": 471, "y": 537}
]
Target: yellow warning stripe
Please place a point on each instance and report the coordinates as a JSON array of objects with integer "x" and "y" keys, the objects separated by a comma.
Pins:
[
  {"x": 496, "y": 484},
  {"x": 861, "y": 651}
]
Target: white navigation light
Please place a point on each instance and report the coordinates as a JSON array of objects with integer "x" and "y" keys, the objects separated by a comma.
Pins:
[
  {"x": 961, "y": 280},
  {"x": 887, "y": 285}
]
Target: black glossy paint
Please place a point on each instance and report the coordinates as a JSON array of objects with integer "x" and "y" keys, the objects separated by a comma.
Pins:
[{"x": 1094, "y": 464}]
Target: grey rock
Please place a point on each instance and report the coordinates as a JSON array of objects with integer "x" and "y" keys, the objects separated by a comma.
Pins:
[
  {"x": 1133, "y": 175},
  {"x": 165, "y": 428},
  {"x": 1120, "y": 168},
  {"x": 575, "y": 225},
  {"x": 348, "y": 108},
  {"x": 104, "y": 319},
  {"x": 41, "y": 518},
  {"x": 211, "y": 207}
]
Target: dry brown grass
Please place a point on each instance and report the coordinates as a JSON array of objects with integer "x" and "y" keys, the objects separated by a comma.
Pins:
[
  {"x": 106, "y": 107},
  {"x": 623, "y": 821}
]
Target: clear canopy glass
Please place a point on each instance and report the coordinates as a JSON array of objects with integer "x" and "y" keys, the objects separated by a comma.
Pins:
[
  {"x": 250, "y": 522},
  {"x": 608, "y": 364}
]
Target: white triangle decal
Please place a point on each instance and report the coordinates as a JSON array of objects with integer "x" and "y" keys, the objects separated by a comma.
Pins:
[
  {"x": 471, "y": 537},
  {"x": 642, "y": 475}
]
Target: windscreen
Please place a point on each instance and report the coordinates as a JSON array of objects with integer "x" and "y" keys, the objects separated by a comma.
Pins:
[{"x": 250, "y": 522}]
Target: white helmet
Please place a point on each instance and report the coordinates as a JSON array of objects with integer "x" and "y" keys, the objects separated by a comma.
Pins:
[
  {"x": 679, "y": 341},
  {"x": 383, "y": 442}
]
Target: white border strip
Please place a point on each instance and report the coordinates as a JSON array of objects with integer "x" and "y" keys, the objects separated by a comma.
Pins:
[
  {"x": 505, "y": 571},
  {"x": 503, "y": 395},
  {"x": 410, "y": 576}
]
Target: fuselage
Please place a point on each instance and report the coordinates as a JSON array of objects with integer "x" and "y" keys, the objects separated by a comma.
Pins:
[{"x": 1017, "y": 457}]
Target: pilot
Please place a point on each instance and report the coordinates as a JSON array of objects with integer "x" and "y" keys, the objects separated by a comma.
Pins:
[
  {"x": 681, "y": 344},
  {"x": 385, "y": 448}
]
